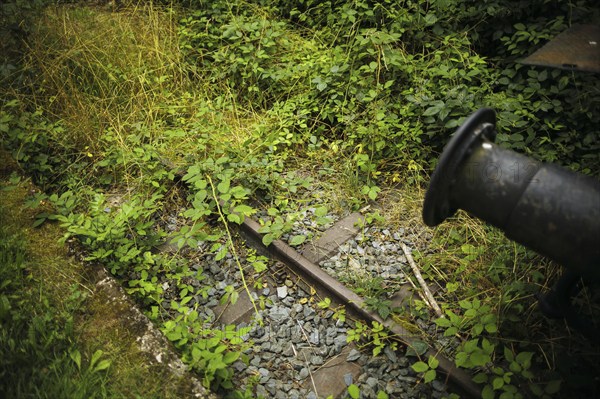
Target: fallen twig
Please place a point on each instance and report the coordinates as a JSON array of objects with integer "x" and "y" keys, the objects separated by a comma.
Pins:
[{"x": 429, "y": 297}]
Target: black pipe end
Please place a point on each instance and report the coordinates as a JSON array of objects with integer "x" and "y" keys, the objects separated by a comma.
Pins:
[{"x": 437, "y": 207}]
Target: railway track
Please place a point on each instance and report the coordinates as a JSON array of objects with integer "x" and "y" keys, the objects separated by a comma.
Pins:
[
  {"x": 301, "y": 351},
  {"x": 306, "y": 270}
]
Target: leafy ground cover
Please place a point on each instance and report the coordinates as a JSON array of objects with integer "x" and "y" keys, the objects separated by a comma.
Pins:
[
  {"x": 267, "y": 107},
  {"x": 59, "y": 336}
]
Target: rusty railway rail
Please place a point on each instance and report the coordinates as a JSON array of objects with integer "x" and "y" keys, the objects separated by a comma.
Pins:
[{"x": 327, "y": 286}]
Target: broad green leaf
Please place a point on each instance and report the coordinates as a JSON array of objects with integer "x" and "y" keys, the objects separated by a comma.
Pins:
[
  {"x": 353, "y": 391},
  {"x": 321, "y": 211},
  {"x": 497, "y": 383},
  {"x": 487, "y": 393},
  {"x": 102, "y": 365},
  {"x": 244, "y": 209},
  {"x": 384, "y": 312},
  {"x": 417, "y": 348},
  {"x": 223, "y": 186},
  {"x": 221, "y": 254},
  {"x": 420, "y": 367},
  {"x": 259, "y": 266},
  {"x": 429, "y": 376},
  {"x": 552, "y": 387},
  {"x": 491, "y": 328},
  {"x": 95, "y": 357},
  {"x": 297, "y": 240},
  {"x": 234, "y": 218},
  {"x": 443, "y": 322},
  {"x": 433, "y": 362},
  {"x": 480, "y": 378},
  {"x": 231, "y": 357},
  {"x": 76, "y": 356},
  {"x": 234, "y": 297},
  {"x": 268, "y": 239},
  {"x": 524, "y": 359},
  {"x": 480, "y": 359}
]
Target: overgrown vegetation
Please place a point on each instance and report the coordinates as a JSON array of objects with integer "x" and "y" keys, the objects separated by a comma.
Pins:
[
  {"x": 271, "y": 106},
  {"x": 39, "y": 356}
]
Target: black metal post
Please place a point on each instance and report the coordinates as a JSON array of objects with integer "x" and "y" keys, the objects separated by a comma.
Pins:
[{"x": 550, "y": 209}]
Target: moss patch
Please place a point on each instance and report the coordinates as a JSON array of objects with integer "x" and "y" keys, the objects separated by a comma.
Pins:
[{"x": 100, "y": 322}]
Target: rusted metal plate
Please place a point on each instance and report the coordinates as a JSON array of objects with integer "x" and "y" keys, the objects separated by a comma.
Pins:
[{"x": 577, "y": 48}]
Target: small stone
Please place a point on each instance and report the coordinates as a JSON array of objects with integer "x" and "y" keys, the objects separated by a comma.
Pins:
[
  {"x": 348, "y": 379},
  {"x": 313, "y": 338},
  {"x": 282, "y": 292},
  {"x": 239, "y": 366},
  {"x": 353, "y": 355},
  {"x": 438, "y": 385},
  {"x": 276, "y": 348},
  {"x": 316, "y": 360},
  {"x": 297, "y": 364},
  {"x": 372, "y": 382},
  {"x": 289, "y": 351},
  {"x": 279, "y": 313},
  {"x": 389, "y": 352},
  {"x": 289, "y": 301},
  {"x": 261, "y": 391},
  {"x": 266, "y": 346},
  {"x": 303, "y": 374},
  {"x": 264, "y": 375},
  {"x": 266, "y": 291},
  {"x": 311, "y": 395},
  {"x": 308, "y": 311},
  {"x": 340, "y": 341}
]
